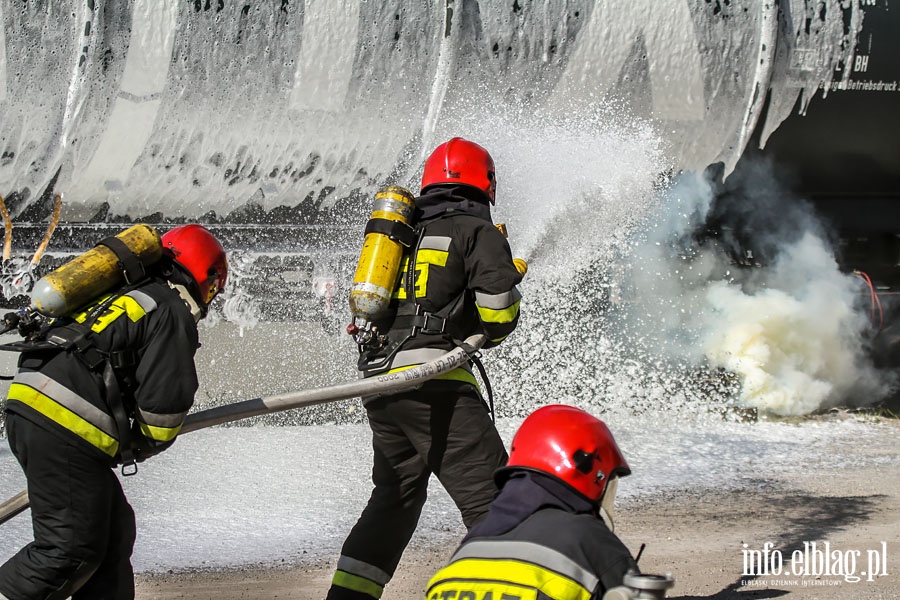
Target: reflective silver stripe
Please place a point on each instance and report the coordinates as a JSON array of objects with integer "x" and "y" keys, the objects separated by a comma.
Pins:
[
  {"x": 435, "y": 242},
  {"x": 498, "y": 301},
  {"x": 146, "y": 302},
  {"x": 361, "y": 569},
  {"x": 531, "y": 553},
  {"x": 69, "y": 399},
  {"x": 157, "y": 420},
  {"x": 405, "y": 358}
]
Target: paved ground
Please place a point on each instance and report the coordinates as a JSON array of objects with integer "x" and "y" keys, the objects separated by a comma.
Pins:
[{"x": 699, "y": 537}]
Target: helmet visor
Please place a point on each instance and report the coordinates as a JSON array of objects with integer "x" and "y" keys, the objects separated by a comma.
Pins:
[{"x": 607, "y": 503}]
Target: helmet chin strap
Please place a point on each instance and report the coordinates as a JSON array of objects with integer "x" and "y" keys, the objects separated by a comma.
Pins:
[{"x": 192, "y": 305}]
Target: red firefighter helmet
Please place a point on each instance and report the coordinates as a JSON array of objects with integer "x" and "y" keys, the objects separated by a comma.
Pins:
[
  {"x": 461, "y": 161},
  {"x": 202, "y": 256},
  {"x": 569, "y": 444}
]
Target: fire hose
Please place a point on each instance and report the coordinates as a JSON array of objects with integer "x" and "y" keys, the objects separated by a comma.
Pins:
[{"x": 379, "y": 384}]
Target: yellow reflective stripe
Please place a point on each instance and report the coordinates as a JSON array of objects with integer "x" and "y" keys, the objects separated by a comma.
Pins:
[
  {"x": 80, "y": 317},
  {"x": 68, "y": 399},
  {"x": 123, "y": 305},
  {"x": 421, "y": 282},
  {"x": 399, "y": 290},
  {"x": 357, "y": 584},
  {"x": 160, "y": 434},
  {"x": 506, "y": 572},
  {"x": 58, "y": 413},
  {"x": 424, "y": 259},
  {"x": 432, "y": 257},
  {"x": 504, "y": 315},
  {"x": 470, "y": 590},
  {"x": 360, "y": 568},
  {"x": 457, "y": 374}
]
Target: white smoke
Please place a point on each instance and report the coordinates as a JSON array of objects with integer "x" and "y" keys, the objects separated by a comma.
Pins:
[
  {"x": 791, "y": 327},
  {"x": 798, "y": 347}
]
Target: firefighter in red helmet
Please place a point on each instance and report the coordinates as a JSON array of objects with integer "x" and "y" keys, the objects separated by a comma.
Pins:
[
  {"x": 194, "y": 250},
  {"x": 549, "y": 533},
  {"x": 462, "y": 281},
  {"x": 107, "y": 386}
]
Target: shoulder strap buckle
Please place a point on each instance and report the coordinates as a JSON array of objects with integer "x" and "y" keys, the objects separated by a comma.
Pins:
[
  {"x": 76, "y": 337},
  {"x": 123, "y": 359},
  {"x": 428, "y": 323}
]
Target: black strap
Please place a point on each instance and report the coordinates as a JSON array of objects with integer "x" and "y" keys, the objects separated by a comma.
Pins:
[
  {"x": 29, "y": 346},
  {"x": 424, "y": 322},
  {"x": 476, "y": 360},
  {"x": 411, "y": 269},
  {"x": 130, "y": 264},
  {"x": 122, "y": 360},
  {"x": 116, "y": 406},
  {"x": 396, "y": 230},
  {"x": 79, "y": 339}
]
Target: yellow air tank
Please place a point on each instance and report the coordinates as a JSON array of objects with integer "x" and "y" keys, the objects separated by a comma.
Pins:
[
  {"x": 387, "y": 233},
  {"x": 92, "y": 274}
]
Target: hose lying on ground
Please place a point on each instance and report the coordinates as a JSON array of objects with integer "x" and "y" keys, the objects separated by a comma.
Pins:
[{"x": 380, "y": 384}]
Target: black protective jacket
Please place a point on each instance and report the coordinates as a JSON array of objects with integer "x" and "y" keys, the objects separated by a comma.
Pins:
[
  {"x": 464, "y": 280},
  {"x": 151, "y": 332},
  {"x": 540, "y": 540}
]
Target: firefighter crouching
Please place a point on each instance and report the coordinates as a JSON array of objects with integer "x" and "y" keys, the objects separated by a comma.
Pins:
[
  {"x": 108, "y": 385},
  {"x": 549, "y": 533}
]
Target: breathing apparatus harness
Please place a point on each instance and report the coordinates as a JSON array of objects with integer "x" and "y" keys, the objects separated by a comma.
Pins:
[
  {"x": 367, "y": 337},
  {"x": 115, "y": 367},
  {"x": 410, "y": 316}
]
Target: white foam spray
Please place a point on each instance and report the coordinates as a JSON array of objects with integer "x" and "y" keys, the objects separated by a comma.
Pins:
[
  {"x": 574, "y": 193},
  {"x": 625, "y": 310},
  {"x": 239, "y": 306}
]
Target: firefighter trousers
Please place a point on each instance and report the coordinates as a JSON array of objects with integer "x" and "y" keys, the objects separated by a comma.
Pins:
[
  {"x": 84, "y": 528},
  {"x": 442, "y": 428}
]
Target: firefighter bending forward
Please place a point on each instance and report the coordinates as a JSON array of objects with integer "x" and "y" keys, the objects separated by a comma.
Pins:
[
  {"x": 464, "y": 282},
  {"x": 62, "y": 421},
  {"x": 549, "y": 534}
]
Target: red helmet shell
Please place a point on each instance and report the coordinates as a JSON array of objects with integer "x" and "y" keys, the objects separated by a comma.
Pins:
[
  {"x": 569, "y": 444},
  {"x": 200, "y": 253},
  {"x": 461, "y": 161}
]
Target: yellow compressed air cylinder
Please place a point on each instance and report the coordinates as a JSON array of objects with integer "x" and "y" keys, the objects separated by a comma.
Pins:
[
  {"x": 92, "y": 274},
  {"x": 379, "y": 259}
]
